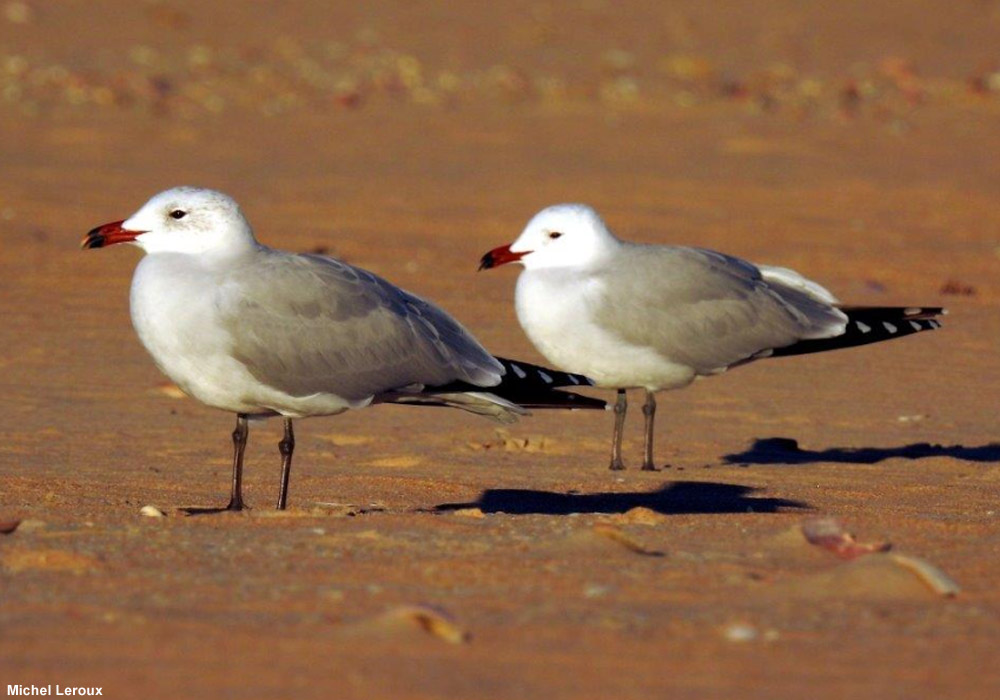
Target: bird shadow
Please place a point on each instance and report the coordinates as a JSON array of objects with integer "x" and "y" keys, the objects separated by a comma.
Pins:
[
  {"x": 780, "y": 450},
  {"x": 674, "y": 498}
]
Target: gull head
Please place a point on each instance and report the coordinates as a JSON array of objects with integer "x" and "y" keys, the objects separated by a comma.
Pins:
[
  {"x": 189, "y": 220},
  {"x": 563, "y": 235}
]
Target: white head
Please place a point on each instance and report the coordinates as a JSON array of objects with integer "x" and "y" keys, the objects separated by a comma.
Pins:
[
  {"x": 563, "y": 235},
  {"x": 188, "y": 220}
]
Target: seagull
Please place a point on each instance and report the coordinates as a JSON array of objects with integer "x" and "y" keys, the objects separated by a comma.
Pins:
[
  {"x": 656, "y": 317},
  {"x": 261, "y": 332}
]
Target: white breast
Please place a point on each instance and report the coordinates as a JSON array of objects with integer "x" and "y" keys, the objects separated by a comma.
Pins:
[
  {"x": 555, "y": 308},
  {"x": 175, "y": 315}
]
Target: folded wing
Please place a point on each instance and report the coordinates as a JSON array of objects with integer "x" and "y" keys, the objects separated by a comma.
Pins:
[
  {"x": 707, "y": 310},
  {"x": 307, "y": 324}
]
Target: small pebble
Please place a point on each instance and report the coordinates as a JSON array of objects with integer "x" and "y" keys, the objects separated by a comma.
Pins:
[
  {"x": 595, "y": 590},
  {"x": 740, "y": 632},
  {"x": 469, "y": 513},
  {"x": 31, "y": 525},
  {"x": 434, "y": 621},
  {"x": 170, "y": 390},
  {"x": 152, "y": 512}
]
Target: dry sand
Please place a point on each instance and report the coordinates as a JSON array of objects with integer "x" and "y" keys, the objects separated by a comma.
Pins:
[{"x": 425, "y": 555}]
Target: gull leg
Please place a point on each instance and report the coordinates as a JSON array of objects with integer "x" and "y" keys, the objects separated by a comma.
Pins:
[
  {"x": 621, "y": 405},
  {"x": 286, "y": 447},
  {"x": 239, "y": 444},
  {"x": 649, "y": 411}
]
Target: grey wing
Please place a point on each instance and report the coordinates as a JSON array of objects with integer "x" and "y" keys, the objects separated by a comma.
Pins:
[
  {"x": 307, "y": 324},
  {"x": 704, "y": 309}
]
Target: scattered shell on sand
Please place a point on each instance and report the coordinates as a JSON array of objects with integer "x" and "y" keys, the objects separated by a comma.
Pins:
[
  {"x": 186, "y": 79},
  {"x": 619, "y": 537},
  {"x": 595, "y": 590},
  {"x": 745, "y": 632},
  {"x": 469, "y": 513},
  {"x": 169, "y": 389},
  {"x": 510, "y": 443},
  {"x": 878, "y": 576},
  {"x": 937, "y": 580},
  {"x": 740, "y": 632},
  {"x": 432, "y": 620},
  {"x": 31, "y": 525},
  {"x": 829, "y": 534},
  {"x": 640, "y": 515},
  {"x": 152, "y": 512}
]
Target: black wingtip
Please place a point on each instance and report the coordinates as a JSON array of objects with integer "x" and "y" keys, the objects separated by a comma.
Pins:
[
  {"x": 534, "y": 386},
  {"x": 871, "y": 324},
  {"x": 526, "y": 372}
]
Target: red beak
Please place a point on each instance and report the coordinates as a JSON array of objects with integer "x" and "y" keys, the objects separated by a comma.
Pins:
[
  {"x": 500, "y": 256},
  {"x": 108, "y": 234}
]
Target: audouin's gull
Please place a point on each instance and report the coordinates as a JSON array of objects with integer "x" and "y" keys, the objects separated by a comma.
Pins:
[
  {"x": 655, "y": 317},
  {"x": 262, "y": 332}
]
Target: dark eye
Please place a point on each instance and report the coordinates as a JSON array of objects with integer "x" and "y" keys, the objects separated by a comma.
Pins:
[
  {"x": 178, "y": 214},
  {"x": 554, "y": 235}
]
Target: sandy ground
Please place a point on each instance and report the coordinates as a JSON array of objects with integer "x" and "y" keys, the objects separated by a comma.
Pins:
[{"x": 425, "y": 554}]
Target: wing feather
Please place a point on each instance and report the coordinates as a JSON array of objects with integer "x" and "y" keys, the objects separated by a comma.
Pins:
[
  {"x": 307, "y": 324},
  {"x": 704, "y": 309}
]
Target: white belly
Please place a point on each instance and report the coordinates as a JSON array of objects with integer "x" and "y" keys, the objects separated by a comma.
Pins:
[
  {"x": 176, "y": 320},
  {"x": 555, "y": 311}
]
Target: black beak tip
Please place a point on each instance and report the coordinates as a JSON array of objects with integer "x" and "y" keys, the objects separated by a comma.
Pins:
[
  {"x": 486, "y": 262},
  {"x": 94, "y": 239}
]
